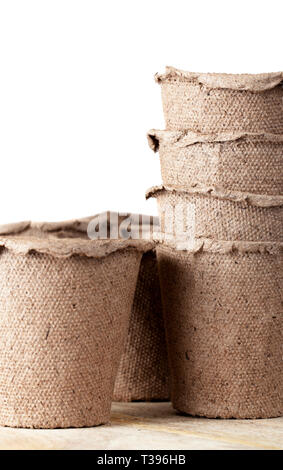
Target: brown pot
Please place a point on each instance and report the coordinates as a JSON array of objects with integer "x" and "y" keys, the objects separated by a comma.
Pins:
[
  {"x": 143, "y": 371},
  {"x": 235, "y": 162},
  {"x": 210, "y": 102},
  {"x": 223, "y": 319},
  {"x": 65, "y": 304}
]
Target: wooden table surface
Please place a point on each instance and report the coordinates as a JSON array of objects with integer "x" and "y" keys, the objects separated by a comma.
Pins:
[{"x": 152, "y": 426}]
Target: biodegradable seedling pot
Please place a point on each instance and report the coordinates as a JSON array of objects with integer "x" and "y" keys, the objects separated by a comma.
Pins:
[
  {"x": 235, "y": 162},
  {"x": 223, "y": 319},
  {"x": 143, "y": 372},
  {"x": 65, "y": 304},
  {"x": 219, "y": 214},
  {"x": 208, "y": 102}
]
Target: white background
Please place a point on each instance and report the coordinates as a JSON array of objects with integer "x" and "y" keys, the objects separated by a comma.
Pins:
[{"x": 77, "y": 94}]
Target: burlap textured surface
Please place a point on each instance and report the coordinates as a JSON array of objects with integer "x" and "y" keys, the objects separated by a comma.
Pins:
[
  {"x": 223, "y": 319},
  {"x": 65, "y": 305},
  {"x": 220, "y": 216},
  {"x": 221, "y": 102},
  {"x": 143, "y": 371},
  {"x": 235, "y": 162}
]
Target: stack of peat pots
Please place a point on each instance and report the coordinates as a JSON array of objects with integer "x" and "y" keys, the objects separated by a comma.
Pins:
[{"x": 220, "y": 250}]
